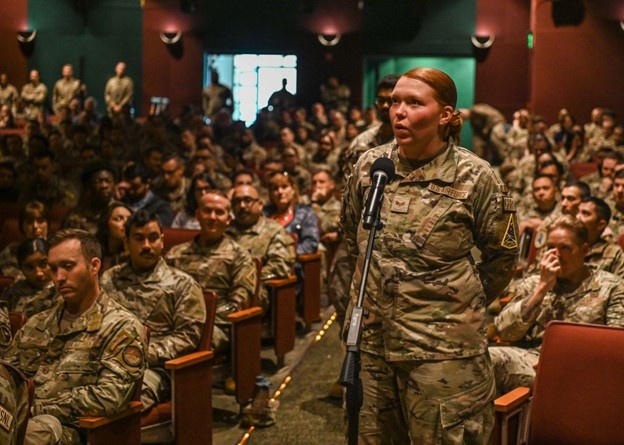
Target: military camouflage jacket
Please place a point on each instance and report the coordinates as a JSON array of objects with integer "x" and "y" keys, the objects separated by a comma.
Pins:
[
  {"x": 328, "y": 214},
  {"x": 166, "y": 300},
  {"x": 22, "y": 297},
  {"x": 224, "y": 267},
  {"x": 598, "y": 300},
  {"x": 425, "y": 293},
  {"x": 90, "y": 369},
  {"x": 604, "y": 255},
  {"x": 270, "y": 242}
]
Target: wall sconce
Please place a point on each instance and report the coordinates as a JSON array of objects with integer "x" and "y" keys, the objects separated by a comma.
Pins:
[
  {"x": 329, "y": 39},
  {"x": 171, "y": 38},
  {"x": 622, "y": 25},
  {"x": 482, "y": 41},
  {"x": 27, "y": 36}
]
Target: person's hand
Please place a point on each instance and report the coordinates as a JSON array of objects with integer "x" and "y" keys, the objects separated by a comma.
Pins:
[
  {"x": 330, "y": 237},
  {"x": 549, "y": 269},
  {"x": 605, "y": 184}
]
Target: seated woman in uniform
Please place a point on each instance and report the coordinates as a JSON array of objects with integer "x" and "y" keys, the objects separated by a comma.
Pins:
[
  {"x": 33, "y": 223},
  {"x": 35, "y": 292}
]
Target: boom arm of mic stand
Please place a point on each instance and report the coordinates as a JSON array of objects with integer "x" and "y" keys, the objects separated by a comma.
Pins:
[{"x": 350, "y": 372}]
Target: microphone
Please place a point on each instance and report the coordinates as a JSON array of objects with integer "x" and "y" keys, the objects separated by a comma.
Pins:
[{"x": 381, "y": 172}]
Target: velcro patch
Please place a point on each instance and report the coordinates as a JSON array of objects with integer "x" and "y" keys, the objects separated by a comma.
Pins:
[
  {"x": 400, "y": 204},
  {"x": 6, "y": 419},
  {"x": 509, "y": 205}
]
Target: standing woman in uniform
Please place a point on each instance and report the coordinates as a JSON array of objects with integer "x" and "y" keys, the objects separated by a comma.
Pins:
[{"x": 426, "y": 373}]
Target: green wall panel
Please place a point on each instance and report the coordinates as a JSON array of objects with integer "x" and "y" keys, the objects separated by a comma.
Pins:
[{"x": 93, "y": 41}]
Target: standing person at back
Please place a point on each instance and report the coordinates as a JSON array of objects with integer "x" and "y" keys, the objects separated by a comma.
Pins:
[
  {"x": 282, "y": 100},
  {"x": 65, "y": 89},
  {"x": 426, "y": 374},
  {"x": 119, "y": 92},
  {"x": 216, "y": 96}
]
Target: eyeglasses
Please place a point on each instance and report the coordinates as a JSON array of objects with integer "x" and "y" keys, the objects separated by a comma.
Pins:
[{"x": 247, "y": 200}]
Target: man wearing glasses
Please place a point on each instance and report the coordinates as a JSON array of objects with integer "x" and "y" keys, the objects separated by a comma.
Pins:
[{"x": 261, "y": 236}]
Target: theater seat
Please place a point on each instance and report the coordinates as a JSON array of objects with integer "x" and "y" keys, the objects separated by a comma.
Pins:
[
  {"x": 187, "y": 417},
  {"x": 578, "y": 390}
]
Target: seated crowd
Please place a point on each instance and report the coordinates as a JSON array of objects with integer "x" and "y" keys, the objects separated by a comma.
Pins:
[{"x": 92, "y": 279}]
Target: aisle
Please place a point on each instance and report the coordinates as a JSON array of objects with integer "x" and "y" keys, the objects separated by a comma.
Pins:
[{"x": 306, "y": 415}]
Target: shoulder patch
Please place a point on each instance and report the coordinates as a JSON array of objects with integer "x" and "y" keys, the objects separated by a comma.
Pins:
[
  {"x": 540, "y": 239},
  {"x": 132, "y": 356},
  {"x": 510, "y": 240}
]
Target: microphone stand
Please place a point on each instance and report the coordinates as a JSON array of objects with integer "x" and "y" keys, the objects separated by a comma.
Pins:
[{"x": 350, "y": 372}]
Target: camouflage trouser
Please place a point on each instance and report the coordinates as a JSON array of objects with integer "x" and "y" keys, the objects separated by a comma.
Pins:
[
  {"x": 513, "y": 367},
  {"x": 428, "y": 402},
  {"x": 156, "y": 388},
  {"x": 339, "y": 281},
  {"x": 45, "y": 429}
]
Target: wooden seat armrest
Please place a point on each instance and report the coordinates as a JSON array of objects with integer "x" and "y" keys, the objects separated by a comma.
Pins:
[
  {"x": 188, "y": 360},
  {"x": 281, "y": 282},
  {"x": 245, "y": 314},
  {"x": 513, "y": 399},
  {"x": 308, "y": 257},
  {"x": 96, "y": 422}
]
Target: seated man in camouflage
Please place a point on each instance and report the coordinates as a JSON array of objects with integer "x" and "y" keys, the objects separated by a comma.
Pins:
[
  {"x": 565, "y": 288},
  {"x": 85, "y": 354},
  {"x": 604, "y": 252},
  {"x": 166, "y": 300},
  {"x": 217, "y": 263},
  {"x": 261, "y": 236}
]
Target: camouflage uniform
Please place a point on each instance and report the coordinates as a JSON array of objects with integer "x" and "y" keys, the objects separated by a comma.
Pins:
[
  {"x": 616, "y": 223},
  {"x": 13, "y": 403},
  {"x": 118, "y": 91},
  {"x": 8, "y": 262},
  {"x": 5, "y": 328},
  {"x": 426, "y": 296},
  {"x": 8, "y": 95},
  {"x": 329, "y": 221},
  {"x": 22, "y": 297},
  {"x": 605, "y": 255},
  {"x": 364, "y": 141},
  {"x": 170, "y": 303},
  {"x": 598, "y": 300},
  {"x": 59, "y": 191},
  {"x": 594, "y": 180},
  {"x": 88, "y": 369},
  {"x": 223, "y": 267},
  {"x": 268, "y": 241},
  {"x": 85, "y": 217},
  {"x": 176, "y": 198},
  {"x": 341, "y": 272},
  {"x": 34, "y": 97},
  {"x": 63, "y": 92}
]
